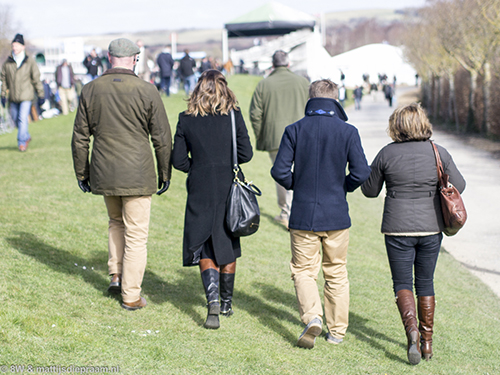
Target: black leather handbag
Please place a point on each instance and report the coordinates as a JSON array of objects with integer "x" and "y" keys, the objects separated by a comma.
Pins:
[{"x": 242, "y": 208}]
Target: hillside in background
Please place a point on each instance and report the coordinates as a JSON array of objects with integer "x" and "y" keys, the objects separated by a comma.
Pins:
[{"x": 344, "y": 31}]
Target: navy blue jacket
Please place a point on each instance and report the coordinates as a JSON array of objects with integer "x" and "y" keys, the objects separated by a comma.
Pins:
[
  {"x": 165, "y": 63},
  {"x": 320, "y": 146}
]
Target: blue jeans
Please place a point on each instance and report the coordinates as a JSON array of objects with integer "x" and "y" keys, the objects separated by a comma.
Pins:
[
  {"x": 413, "y": 253},
  {"x": 19, "y": 113},
  {"x": 189, "y": 83},
  {"x": 165, "y": 85}
]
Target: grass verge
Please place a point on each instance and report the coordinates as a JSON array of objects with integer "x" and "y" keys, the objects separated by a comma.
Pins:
[{"x": 56, "y": 312}]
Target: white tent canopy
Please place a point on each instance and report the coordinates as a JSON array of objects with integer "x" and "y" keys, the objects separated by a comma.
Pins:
[{"x": 372, "y": 59}]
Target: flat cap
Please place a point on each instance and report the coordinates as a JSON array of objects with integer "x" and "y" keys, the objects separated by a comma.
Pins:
[{"x": 123, "y": 47}]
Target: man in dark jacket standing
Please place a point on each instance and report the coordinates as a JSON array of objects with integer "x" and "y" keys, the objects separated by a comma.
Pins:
[
  {"x": 165, "y": 63},
  {"x": 20, "y": 79},
  {"x": 186, "y": 70},
  {"x": 92, "y": 62},
  {"x": 277, "y": 102},
  {"x": 320, "y": 147},
  {"x": 122, "y": 112}
]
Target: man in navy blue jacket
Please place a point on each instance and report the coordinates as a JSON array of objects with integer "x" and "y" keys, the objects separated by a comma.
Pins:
[{"x": 312, "y": 160}]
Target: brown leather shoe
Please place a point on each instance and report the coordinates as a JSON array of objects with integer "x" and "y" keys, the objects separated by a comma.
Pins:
[
  {"x": 115, "y": 286},
  {"x": 131, "y": 306}
]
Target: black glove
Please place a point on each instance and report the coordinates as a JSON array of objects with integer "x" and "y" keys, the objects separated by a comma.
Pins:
[
  {"x": 41, "y": 101},
  {"x": 4, "y": 101},
  {"x": 84, "y": 185},
  {"x": 163, "y": 186}
]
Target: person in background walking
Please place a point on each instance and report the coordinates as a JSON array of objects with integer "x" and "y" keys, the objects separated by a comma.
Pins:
[
  {"x": 357, "y": 94},
  {"x": 165, "y": 63},
  {"x": 186, "y": 70},
  {"x": 65, "y": 80},
  {"x": 141, "y": 66},
  {"x": 278, "y": 101},
  {"x": 92, "y": 62},
  {"x": 389, "y": 93},
  {"x": 203, "y": 149},
  {"x": 412, "y": 221},
  {"x": 312, "y": 160},
  {"x": 342, "y": 95},
  {"x": 20, "y": 79},
  {"x": 122, "y": 113}
]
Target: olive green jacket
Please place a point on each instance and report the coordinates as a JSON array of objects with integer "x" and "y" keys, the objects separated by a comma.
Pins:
[
  {"x": 278, "y": 101},
  {"x": 121, "y": 112},
  {"x": 21, "y": 83}
]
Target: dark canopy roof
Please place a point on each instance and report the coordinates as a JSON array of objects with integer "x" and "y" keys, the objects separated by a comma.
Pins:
[{"x": 271, "y": 19}]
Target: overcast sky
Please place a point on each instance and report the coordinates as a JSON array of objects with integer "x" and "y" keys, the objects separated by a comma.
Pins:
[{"x": 40, "y": 18}]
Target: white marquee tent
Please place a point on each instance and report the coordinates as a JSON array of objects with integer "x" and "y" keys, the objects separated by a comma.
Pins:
[{"x": 372, "y": 59}]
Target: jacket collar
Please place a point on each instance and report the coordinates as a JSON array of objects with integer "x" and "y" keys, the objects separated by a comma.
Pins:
[
  {"x": 325, "y": 107},
  {"x": 279, "y": 69},
  {"x": 119, "y": 71},
  {"x": 11, "y": 60}
]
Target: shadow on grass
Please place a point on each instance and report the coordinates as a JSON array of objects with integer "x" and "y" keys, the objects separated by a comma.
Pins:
[
  {"x": 60, "y": 260},
  {"x": 186, "y": 293},
  {"x": 9, "y": 148},
  {"x": 270, "y": 218},
  {"x": 358, "y": 328},
  {"x": 268, "y": 315},
  {"x": 181, "y": 293}
]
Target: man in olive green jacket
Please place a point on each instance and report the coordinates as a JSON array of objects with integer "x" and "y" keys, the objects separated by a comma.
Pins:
[
  {"x": 122, "y": 112},
  {"x": 20, "y": 78},
  {"x": 278, "y": 101}
]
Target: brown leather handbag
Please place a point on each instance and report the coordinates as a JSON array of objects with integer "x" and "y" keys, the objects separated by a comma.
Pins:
[{"x": 452, "y": 205}]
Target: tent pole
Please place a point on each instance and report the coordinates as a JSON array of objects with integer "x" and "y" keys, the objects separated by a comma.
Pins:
[{"x": 225, "y": 46}]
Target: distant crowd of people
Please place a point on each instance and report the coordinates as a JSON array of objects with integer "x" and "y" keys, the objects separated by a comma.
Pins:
[{"x": 317, "y": 158}]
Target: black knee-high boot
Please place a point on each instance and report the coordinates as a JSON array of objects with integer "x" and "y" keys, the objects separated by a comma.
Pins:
[
  {"x": 226, "y": 293},
  {"x": 210, "y": 279}
]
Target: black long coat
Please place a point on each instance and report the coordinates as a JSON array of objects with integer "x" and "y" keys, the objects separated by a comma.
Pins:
[{"x": 203, "y": 149}]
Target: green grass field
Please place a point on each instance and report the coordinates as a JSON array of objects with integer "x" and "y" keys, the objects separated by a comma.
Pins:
[{"x": 55, "y": 312}]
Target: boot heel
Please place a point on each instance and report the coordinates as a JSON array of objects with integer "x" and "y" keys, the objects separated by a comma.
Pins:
[
  {"x": 414, "y": 355},
  {"x": 212, "y": 321}
]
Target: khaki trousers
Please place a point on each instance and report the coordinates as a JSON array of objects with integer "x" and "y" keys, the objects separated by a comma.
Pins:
[
  {"x": 128, "y": 237},
  {"x": 305, "y": 266},
  {"x": 67, "y": 97},
  {"x": 285, "y": 197}
]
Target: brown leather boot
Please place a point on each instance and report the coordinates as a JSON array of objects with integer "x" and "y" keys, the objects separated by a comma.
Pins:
[
  {"x": 426, "y": 307},
  {"x": 406, "y": 306}
]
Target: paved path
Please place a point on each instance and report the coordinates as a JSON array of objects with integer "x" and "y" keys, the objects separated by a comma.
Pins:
[{"x": 477, "y": 245}]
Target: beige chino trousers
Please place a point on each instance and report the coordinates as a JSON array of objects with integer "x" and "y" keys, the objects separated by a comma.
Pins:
[
  {"x": 67, "y": 97},
  {"x": 305, "y": 266},
  {"x": 128, "y": 237}
]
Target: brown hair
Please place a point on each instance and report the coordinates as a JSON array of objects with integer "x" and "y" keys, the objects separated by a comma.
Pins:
[
  {"x": 211, "y": 95},
  {"x": 409, "y": 123},
  {"x": 324, "y": 88}
]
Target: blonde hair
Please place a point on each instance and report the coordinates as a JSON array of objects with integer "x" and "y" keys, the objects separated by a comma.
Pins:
[
  {"x": 409, "y": 123},
  {"x": 323, "y": 88},
  {"x": 211, "y": 96}
]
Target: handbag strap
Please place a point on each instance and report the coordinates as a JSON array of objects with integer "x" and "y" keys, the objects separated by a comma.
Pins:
[
  {"x": 233, "y": 133},
  {"x": 439, "y": 165}
]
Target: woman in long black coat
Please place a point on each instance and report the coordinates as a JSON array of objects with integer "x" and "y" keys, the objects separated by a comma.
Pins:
[{"x": 203, "y": 149}]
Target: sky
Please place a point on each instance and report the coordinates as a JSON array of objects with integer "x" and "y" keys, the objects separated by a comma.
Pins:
[{"x": 58, "y": 18}]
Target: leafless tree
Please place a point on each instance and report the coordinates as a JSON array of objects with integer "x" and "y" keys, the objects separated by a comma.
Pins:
[{"x": 6, "y": 30}]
